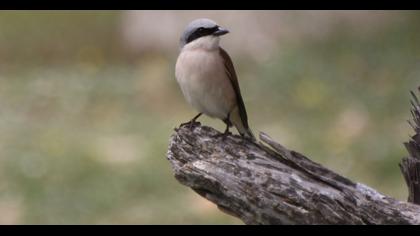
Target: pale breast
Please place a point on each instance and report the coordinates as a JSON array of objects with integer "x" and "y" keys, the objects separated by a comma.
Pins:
[{"x": 204, "y": 83}]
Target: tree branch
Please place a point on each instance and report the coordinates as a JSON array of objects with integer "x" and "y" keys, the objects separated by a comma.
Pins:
[
  {"x": 410, "y": 166},
  {"x": 266, "y": 183}
]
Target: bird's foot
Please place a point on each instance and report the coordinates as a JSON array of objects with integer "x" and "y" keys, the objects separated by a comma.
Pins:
[{"x": 190, "y": 124}]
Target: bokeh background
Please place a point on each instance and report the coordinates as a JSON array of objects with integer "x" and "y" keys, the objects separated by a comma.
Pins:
[{"x": 88, "y": 101}]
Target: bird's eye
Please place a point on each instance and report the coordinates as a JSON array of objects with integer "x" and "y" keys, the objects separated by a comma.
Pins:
[{"x": 200, "y": 29}]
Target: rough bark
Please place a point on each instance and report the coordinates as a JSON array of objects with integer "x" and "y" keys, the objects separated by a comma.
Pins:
[
  {"x": 410, "y": 166},
  {"x": 266, "y": 183}
]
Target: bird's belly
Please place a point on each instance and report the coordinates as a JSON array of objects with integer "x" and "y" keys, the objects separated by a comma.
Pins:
[{"x": 204, "y": 83}]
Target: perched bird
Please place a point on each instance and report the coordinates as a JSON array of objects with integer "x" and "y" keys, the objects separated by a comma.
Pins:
[{"x": 207, "y": 78}]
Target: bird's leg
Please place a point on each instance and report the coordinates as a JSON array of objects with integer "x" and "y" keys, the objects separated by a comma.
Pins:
[
  {"x": 227, "y": 130},
  {"x": 192, "y": 122},
  {"x": 228, "y": 124}
]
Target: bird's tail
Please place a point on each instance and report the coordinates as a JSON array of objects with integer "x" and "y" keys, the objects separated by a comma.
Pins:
[
  {"x": 241, "y": 126},
  {"x": 248, "y": 134}
]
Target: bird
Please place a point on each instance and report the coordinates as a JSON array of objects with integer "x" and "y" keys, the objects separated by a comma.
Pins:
[{"x": 207, "y": 78}]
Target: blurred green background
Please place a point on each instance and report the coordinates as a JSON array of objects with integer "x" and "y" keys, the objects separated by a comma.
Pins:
[{"x": 88, "y": 101}]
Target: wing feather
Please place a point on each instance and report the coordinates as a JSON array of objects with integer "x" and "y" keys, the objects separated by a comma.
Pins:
[{"x": 230, "y": 70}]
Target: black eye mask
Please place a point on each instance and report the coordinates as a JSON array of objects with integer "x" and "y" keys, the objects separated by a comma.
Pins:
[{"x": 200, "y": 32}]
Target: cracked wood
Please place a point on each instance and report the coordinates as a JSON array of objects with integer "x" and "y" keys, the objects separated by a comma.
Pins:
[{"x": 265, "y": 183}]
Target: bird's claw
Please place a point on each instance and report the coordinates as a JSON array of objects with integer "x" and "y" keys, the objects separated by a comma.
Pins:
[{"x": 190, "y": 124}]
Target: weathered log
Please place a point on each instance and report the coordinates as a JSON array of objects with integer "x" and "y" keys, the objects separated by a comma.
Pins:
[{"x": 265, "y": 183}]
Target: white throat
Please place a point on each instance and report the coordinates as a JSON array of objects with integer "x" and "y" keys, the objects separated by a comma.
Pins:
[{"x": 207, "y": 43}]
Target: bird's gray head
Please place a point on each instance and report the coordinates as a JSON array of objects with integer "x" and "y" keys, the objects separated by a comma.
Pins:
[{"x": 199, "y": 28}]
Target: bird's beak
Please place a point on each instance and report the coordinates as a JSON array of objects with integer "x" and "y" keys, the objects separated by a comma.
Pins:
[{"x": 221, "y": 31}]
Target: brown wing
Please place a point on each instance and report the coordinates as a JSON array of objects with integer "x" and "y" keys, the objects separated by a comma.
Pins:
[{"x": 230, "y": 70}]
